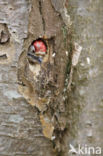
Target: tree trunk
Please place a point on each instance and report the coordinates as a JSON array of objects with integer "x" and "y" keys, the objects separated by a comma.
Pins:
[
  {"x": 31, "y": 95},
  {"x": 85, "y": 102},
  {"x": 43, "y": 110}
]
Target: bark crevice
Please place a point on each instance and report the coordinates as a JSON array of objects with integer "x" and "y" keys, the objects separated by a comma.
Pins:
[{"x": 41, "y": 13}]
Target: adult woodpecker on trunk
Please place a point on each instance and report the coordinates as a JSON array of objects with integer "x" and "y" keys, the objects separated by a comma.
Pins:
[{"x": 36, "y": 52}]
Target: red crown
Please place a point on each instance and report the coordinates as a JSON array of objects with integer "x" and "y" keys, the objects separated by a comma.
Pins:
[{"x": 40, "y": 46}]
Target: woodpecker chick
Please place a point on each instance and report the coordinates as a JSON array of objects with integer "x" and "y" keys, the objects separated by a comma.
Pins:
[
  {"x": 31, "y": 55},
  {"x": 34, "y": 59},
  {"x": 40, "y": 48},
  {"x": 36, "y": 52}
]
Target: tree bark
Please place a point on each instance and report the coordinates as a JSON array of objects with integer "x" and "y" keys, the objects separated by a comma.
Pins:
[
  {"x": 85, "y": 101},
  {"x": 32, "y": 108},
  {"x": 45, "y": 108}
]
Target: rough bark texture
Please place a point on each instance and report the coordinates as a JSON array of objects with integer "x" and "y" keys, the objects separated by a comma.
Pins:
[
  {"x": 85, "y": 100},
  {"x": 38, "y": 113},
  {"x": 25, "y": 129}
]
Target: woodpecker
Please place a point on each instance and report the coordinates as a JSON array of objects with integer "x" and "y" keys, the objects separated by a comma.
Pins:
[
  {"x": 37, "y": 51},
  {"x": 40, "y": 47}
]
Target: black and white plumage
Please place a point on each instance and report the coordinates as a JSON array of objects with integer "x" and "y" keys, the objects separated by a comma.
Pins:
[{"x": 32, "y": 57}]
